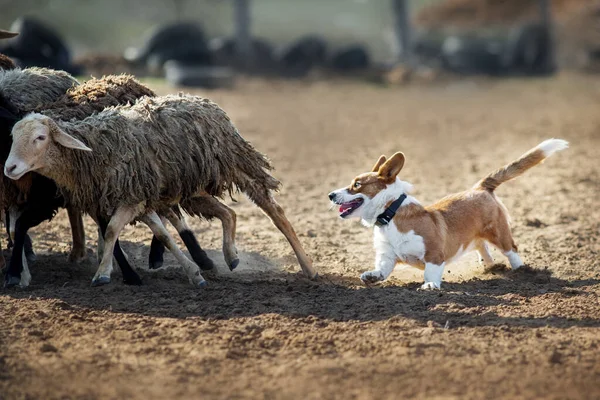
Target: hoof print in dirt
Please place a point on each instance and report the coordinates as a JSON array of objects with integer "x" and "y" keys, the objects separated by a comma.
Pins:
[
  {"x": 100, "y": 281},
  {"x": 497, "y": 269}
]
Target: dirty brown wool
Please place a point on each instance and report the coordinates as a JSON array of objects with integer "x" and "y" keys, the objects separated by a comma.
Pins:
[{"x": 160, "y": 151}]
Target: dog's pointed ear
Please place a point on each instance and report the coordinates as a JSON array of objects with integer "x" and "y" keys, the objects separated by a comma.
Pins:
[
  {"x": 392, "y": 167},
  {"x": 378, "y": 163}
]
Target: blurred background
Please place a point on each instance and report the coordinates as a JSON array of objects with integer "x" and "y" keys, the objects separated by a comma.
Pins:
[{"x": 206, "y": 42}]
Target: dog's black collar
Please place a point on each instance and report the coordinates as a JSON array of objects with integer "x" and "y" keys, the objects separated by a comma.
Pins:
[{"x": 385, "y": 217}]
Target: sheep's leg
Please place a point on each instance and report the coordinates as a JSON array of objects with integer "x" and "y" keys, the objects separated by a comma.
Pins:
[
  {"x": 9, "y": 233},
  {"x": 157, "y": 249},
  {"x": 209, "y": 207},
  {"x": 28, "y": 218},
  {"x": 12, "y": 214},
  {"x": 130, "y": 277},
  {"x": 156, "y": 256},
  {"x": 193, "y": 272},
  {"x": 185, "y": 232},
  {"x": 274, "y": 211},
  {"x": 100, "y": 246},
  {"x": 78, "y": 251},
  {"x": 2, "y": 260},
  {"x": 111, "y": 231}
]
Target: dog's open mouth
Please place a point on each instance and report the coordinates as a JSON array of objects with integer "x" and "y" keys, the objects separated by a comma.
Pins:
[{"x": 349, "y": 207}]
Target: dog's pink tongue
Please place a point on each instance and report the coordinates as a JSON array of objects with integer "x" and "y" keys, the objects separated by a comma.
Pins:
[{"x": 345, "y": 206}]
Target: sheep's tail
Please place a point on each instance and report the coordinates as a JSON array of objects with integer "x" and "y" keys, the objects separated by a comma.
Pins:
[{"x": 528, "y": 160}]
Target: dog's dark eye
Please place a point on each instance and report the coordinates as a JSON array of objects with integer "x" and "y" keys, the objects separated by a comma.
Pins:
[{"x": 356, "y": 185}]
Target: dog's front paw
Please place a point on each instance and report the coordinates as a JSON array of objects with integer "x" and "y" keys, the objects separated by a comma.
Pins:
[
  {"x": 430, "y": 286},
  {"x": 371, "y": 277}
]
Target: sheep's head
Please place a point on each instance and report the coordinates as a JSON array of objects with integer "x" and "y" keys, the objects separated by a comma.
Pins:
[{"x": 36, "y": 142}]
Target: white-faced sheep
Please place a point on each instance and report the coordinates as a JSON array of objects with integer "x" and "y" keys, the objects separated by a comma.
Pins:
[
  {"x": 95, "y": 95},
  {"x": 129, "y": 161},
  {"x": 38, "y": 197},
  {"x": 41, "y": 201}
]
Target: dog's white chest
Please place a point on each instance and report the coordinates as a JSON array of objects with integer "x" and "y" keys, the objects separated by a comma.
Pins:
[{"x": 407, "y": 246}]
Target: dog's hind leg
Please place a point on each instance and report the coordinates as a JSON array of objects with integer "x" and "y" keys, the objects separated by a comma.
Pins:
[
  {"x": 502, "y": 238},
  {"x": 485, "y": 257},
  {"x": 267, "y": 203}
]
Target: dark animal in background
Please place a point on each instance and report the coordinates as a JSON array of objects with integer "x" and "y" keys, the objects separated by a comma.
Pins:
[
  {"x": 530, "y": 48},
  {"x": 351, "y": 58},
  {"x": 38, "y": 45},
  {"x": 181, "y": 41},
  {"x": 223, "y": 50},
  {"x": 300, "y": 57}
]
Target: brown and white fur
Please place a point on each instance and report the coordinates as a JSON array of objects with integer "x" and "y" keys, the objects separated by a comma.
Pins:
[{"x": 430, "y": 237}]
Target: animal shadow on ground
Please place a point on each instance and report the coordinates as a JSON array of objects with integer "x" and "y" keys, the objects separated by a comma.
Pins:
[{"x": 167, "y": 293}]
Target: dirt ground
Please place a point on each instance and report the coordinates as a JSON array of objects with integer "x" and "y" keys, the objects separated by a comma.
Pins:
[{"x": 265, "y": 331}]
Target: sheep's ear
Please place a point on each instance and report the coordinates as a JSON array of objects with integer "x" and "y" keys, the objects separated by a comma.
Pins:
[
  {"x": 378, "y": 163},
  {"x": 69, "y": 141},
  {"x": 392, "y": 167}
]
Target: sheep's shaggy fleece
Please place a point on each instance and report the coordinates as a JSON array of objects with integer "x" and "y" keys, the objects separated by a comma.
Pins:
[
  {"x": 22, "y": 91},
  {"x": 159, "y": 151},
  {"x": 95, "y": 95},
  {"x": 29, "y": 89}
]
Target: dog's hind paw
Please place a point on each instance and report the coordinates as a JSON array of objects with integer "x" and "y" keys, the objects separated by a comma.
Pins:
[{"x": 371, "y": 277}]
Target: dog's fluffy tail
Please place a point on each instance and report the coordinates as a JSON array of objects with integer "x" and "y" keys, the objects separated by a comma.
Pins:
[{"x": 528, "y": 160}]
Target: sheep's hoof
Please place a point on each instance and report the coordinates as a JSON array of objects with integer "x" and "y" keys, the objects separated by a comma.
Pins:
[
  {"x": 202, "y": 284},
  {"x": 31, "y": 257},
  {"x": 100, "y": 281},
  {"x": 206, "y": 264},
  {"x": 132, "y": 280},
  {"x": 75, "y": 257},
  {"x": 11, "y": 281},
  {"x": 233, "y": 265},
  {"x": 155, "y": 264}
]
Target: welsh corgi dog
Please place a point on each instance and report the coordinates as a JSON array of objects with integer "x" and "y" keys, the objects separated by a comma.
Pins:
[{"x": 430, "y": 237}]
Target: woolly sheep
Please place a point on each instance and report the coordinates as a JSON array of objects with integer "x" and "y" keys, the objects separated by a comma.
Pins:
[
  {"x": 80, "y": 102},
  {"x": 97, "y": 94},
  {"x": 22, "y": 91},
  {"x": 171, "y": 149},
  {"x": 41, "y": 201}
]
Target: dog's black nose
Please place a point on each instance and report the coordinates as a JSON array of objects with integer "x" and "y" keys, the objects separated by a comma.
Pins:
[{"x": 331, "y": 196}]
